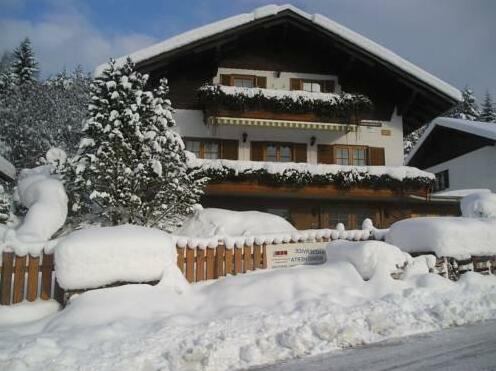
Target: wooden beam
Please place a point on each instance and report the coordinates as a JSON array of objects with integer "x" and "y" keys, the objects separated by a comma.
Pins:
[{"x": 403, "y": 110}]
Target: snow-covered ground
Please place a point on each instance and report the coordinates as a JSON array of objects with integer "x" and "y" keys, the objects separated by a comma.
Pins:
[
  {"x": 250, "y": 319},
  {"x": 471, "y": 347}
]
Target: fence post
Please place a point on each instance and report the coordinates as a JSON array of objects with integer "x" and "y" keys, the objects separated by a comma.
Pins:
[
  {"x": 200, "y": 265},
  {"x": 238, "y": 260},
  {"x": 210, "y": 263},
  {"x": 20, "y": 267},
  {"x": 264, "y": 256},
  {"x": 190, "y": 264},
  {"x": 6, "y": 277},
  {"x": 229, "y": 260},
  {"x": 33, "y": 270},
  {"x": 247, "y": 259},
  {"x": 46, "y": 276},
  {"x": 257, "y": 256},
  {"x": 219, "y": 260},
  {"x": 180, "y": 258}
]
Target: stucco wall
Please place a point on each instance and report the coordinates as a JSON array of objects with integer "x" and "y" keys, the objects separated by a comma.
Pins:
[
  {"x": 190, "y": 123},
  {"x": 476, "y": 169}
]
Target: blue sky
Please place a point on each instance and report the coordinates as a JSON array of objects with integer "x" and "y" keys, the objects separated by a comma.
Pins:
[{"x": 454, "y": 39}]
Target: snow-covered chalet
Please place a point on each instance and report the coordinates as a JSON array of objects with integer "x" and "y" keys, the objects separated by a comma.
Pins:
[{"x": 294, "y": 114}]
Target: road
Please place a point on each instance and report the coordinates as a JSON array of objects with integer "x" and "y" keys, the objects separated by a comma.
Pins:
[{"x": 462, "y": 348}]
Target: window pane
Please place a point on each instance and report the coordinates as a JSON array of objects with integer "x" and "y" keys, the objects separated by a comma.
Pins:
[
  {"x": 312, "y": 86},
  {"x": 243, "y": 82},
  {"x": 193, "y": 146},
  {"x": 359, "y": 158},
  {"x": 271, "y": 153},
  {"x": 286, "y": 154},
  {"x": 211, "y": 150},
  {"x": 342, "y": 156},
  {"x": 338, "y": 216}
]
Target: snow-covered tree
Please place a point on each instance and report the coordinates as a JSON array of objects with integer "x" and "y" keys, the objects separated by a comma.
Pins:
[
  {"x": 467, "y": 109},
  {"x": 411, "y": 139},
  {"x": 488, "y": 112},
  {"x": 24, "y": 67},
  {"x": 131, "y": 167},
  {"x": 5, "y": 204},
  {"x": 45, "y": 115}
]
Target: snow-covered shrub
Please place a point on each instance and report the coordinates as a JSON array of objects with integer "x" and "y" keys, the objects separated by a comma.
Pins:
[
  {"x": 5, "y": 205},
  {"x": 479, "y": 205},
  {"x": 131, "y": 167},
  {"x": 218, "y": 222}
]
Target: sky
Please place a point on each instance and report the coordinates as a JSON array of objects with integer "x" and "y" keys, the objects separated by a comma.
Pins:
[{"x": 453, "y": 39}]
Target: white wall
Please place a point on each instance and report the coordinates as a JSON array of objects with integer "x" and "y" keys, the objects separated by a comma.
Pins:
[
  {"x": 190, "y": 123},
  {"x": 476, "y": 169}
]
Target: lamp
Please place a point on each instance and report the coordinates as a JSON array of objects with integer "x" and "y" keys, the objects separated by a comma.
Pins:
[
  {"x": 244, "y": 135},
  {"x": 312, "y": 140}
]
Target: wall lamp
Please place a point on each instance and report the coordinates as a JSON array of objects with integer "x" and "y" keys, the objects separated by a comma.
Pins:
[
  {"x": 244, "y": 135},
  {"x": 312, "y": 140}
]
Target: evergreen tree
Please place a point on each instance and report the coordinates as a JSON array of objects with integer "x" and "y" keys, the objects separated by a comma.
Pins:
[
  {"x": 5, "y": 202},
  {"x": 131, "y": 167},
  {"x": 467, "y": 109},
  {"x": 411, "y": 139},
  {"x": 488, "y": 113},
  {"x": 24, "y": 67}
]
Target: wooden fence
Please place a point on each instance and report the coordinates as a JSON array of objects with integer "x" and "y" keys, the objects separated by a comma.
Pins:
[{"x": 27, "y": 278}]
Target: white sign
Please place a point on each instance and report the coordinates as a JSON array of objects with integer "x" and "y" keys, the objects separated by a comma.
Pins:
[{"x": 289, "y": 255}]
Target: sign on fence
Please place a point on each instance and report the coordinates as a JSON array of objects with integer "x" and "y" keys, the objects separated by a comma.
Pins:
[{"x": 289, "y": 255}]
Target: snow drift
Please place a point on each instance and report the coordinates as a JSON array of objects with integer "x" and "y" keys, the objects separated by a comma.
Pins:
[
  {"x": 101, "y": 256},
  {"x": 219, "y": 222},
  {"x": 456, "y": 237},
  {"x": 479, "y": 205}
]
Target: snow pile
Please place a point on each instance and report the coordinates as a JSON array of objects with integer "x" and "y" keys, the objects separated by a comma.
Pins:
[
  {"x": 245, "y": 320},
  {"x": 11, "y": 315},
  {"x": 101, "y": 256},
  {"x": 219, "y": 222},
  {"x": 456, "y": 237},
  {"x": 368, "y": 257},
  {"x": 479, "y": 205},
  {"x": 461, "y": 192},
  {"x": 45, "y": 197},
  {"x": 287, "y": 168}
]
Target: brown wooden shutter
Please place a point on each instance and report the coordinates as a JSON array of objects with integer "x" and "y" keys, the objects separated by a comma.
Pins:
[
  {"x": 325, "y": 154},
  {"x": 257, "y": 151},
  {"x": 329, "y": 86},
  {"x": 261, "y": 82},
  {"x": 229, "y": 149},
  {"x": 225, "y": 80},
  {"x": 295, "y": 84},
  {"x": 300, "y": 152},
  {"x": 377, "y": 156}
]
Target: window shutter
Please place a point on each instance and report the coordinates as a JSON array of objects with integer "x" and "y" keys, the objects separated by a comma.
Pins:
[
  {"x": 300, "y": 152},
  {"x": 225, "y": 80},
  {"x": 257, "y": 153},
  {"x": 325, "y": 154},
  {"x": 377, "y": 156},
  {"x": 229, "y": 150},
  {"x": 261, "y": 82},
  {"x": 329, "y": 86},
  {"x": 295, "y": 84}
]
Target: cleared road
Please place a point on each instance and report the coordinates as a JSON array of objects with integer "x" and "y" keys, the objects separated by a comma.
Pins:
[{"x": 462, "y": 348}]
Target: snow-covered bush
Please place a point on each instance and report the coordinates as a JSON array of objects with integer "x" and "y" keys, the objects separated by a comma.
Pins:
[
  {"x": 479, "y": 205},
  {"x": 131, "y": 167},
  {"x": 218, "y": 222},
  {"x": 5, "y": 205}
]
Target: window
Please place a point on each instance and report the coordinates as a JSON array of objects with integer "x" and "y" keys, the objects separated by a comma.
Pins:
[
  {"x": 339, "y": 216},
  {"x": 277, "y": 152},
  {"x": 243, "y": 81},
  {"x": 350, "y": 155},
  {"x": 311, "y": 86},
  {"x": 442, "y": 181},
  {"x": 213, "y": 149},
  {"x": 314, "y": 86},
  {"x": 359, "y": 156}
]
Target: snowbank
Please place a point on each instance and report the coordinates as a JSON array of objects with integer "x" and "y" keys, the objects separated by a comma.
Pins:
[
  {"x": 11, "y": 315},
  {"x": 45, "y": 197},
  {"x": 368, "y": 257},
  {"x": 445, "y": 236},
  {"x": 479, "y": 205},
  {"x": 219, "y": 222},
  {"x": 245, "y": 320},
  {"x": 101, "y": 256}
]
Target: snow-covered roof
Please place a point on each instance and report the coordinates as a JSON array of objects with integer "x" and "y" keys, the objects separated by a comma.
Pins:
[
  {"x": 318, "y": 19},
  {"x": 7, "y": 169},
  {"x": 481, "y": 129}
]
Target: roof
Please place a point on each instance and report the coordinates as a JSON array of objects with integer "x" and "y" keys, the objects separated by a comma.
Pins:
[
  {"x": 319, "y": 20},
  {"x": 7, "y": 170},
  {"x": 481, "y": 129}
]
